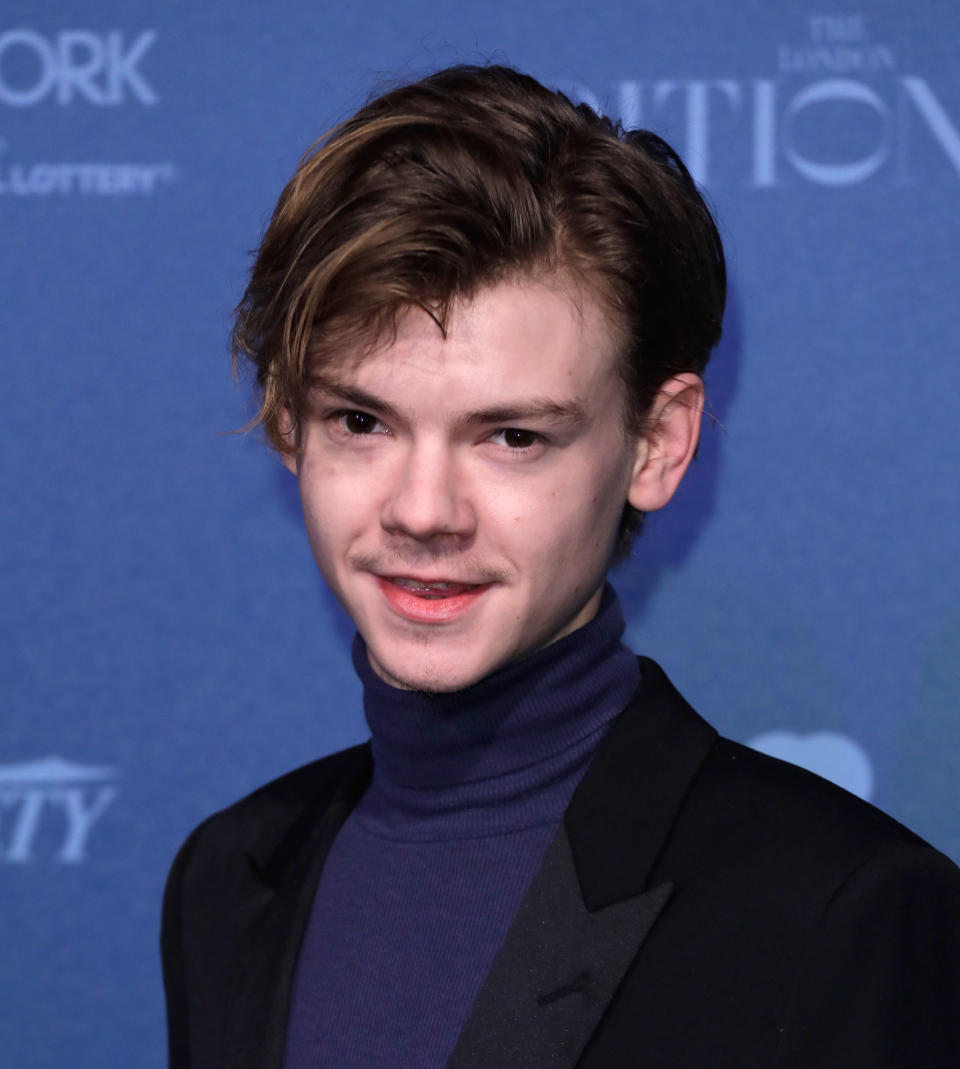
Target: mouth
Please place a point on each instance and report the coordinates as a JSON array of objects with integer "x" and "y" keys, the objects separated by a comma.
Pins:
[
  {"x": 430, "y": 601},
  {"x": 432, "y": 590}
]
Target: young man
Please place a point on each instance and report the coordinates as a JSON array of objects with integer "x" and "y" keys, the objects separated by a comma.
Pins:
[{"x": 478, "y": 319}]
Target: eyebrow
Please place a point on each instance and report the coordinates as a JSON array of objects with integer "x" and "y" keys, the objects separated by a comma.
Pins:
[
  {"x": 354, "y": 396},
  {"x": 534, "y": 408}
]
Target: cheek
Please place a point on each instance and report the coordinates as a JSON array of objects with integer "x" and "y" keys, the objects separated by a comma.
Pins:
[
  {"x": 322, "y": 540},
  {"x": 571, "y": 522},
  {"x": 586, "y": 517},
  {"x": 331, "y": 508}
]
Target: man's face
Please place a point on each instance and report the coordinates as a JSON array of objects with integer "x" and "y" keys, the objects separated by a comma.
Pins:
[{"x": 462, "y": 494}]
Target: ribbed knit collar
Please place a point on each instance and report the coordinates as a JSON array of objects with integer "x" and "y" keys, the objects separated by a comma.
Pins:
[{"x": 514, "y": 744}]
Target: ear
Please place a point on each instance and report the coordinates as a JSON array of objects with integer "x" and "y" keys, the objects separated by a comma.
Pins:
[
  {"x": 291, "y": 457},
  {"x": 665, "y": 449}
]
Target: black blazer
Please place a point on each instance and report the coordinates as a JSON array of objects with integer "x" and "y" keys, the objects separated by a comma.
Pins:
[{"x": 701, "y": 907}]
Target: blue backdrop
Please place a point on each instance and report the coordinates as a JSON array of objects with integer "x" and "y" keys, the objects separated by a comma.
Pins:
[{"x": 166, "y": 642}]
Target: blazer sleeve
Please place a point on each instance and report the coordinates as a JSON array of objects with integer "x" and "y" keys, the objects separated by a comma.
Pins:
[
  {"x": 879, "y": 987},
  {"x": 172, "y": 958}
]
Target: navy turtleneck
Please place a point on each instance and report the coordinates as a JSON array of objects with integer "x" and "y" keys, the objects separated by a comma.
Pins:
[{"x": 427, "y": 872}]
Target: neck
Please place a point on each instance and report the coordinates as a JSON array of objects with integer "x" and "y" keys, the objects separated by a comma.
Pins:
[{"x": 505, "y": 752}]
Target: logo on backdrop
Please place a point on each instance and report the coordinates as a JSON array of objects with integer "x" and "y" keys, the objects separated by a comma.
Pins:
[
  {"x": 48, "y": 809},
  {"x": 837, "y": 111},
  {"x": 834, "y": 756},
  {"x": 74, "y": 70}
]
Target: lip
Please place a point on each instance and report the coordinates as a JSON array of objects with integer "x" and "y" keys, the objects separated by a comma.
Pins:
[{"x": 430, "y": 610}]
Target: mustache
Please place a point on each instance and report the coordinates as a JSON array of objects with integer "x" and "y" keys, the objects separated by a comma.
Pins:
[{"x": 409, "y": 559}]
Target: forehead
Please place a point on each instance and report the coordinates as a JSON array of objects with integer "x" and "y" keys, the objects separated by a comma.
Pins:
[{"x": 543, "y": 337}]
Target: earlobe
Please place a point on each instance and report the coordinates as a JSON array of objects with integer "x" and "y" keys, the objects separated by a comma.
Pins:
[{"x": 665, "y": 450}]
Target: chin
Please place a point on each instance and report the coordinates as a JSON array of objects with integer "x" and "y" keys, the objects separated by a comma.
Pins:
[{"x": 427, "y": 677}]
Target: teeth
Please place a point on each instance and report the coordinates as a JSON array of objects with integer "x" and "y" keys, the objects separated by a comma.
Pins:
[{"x": 416, "y": 584}]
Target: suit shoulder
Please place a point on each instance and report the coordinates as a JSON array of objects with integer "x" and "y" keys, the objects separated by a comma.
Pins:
[
  {"x": 304, "y": 782},
  {"x": 801, "y": 795},
  {"x": 273, "y": 806},
  {"x": 764, "y": 806}
]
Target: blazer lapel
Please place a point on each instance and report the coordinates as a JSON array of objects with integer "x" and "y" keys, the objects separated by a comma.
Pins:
[
  {"x": 592, "y": 902},
  {"x": 624, "y": 808},
  {"x": 555, "y": 973},
  {"x": 284, "y": 875}
]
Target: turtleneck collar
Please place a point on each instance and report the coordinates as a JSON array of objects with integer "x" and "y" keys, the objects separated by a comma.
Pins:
[{"x": 513, "y": 745}]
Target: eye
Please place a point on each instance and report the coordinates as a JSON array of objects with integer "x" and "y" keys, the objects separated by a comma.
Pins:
[
  {"x": 358, "y": 422},
  {"x": 517, "y": 438}
]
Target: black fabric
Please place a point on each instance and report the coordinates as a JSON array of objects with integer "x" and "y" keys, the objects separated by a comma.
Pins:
[
  {"x": 235, "y": 909},
  {"x": 804, "y": 928},
  {"x": 555, "y": 973}
]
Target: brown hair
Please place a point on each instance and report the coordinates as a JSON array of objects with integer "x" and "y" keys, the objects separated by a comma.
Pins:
[{"x": 435, "y": 190}]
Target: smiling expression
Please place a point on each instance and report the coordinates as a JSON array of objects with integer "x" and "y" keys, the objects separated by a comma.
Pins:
[{"x": 462, "y": 493}]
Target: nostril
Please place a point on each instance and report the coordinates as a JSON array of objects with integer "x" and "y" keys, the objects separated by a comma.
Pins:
[{"x": 429, "y": 502}]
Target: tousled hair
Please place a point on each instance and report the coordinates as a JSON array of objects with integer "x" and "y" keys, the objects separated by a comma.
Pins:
[{"x": 469, "y": 177}]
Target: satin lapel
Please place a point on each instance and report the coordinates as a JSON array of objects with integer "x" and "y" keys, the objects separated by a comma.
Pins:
[
  {"x": 274, "y": 918},
  {"x": 597, "y": 894},
  {"x": 555, "y": 973},
  {"x": 623, "y": 810}
]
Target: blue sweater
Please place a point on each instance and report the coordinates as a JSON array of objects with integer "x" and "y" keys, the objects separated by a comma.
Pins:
[{"x": 427, "y": 873}]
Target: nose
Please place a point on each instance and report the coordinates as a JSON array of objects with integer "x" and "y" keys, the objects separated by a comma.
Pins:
[{"x": 426, "y": 499}]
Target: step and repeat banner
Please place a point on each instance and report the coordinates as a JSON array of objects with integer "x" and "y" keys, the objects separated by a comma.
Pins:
[{"x": 167, "y": 644}]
